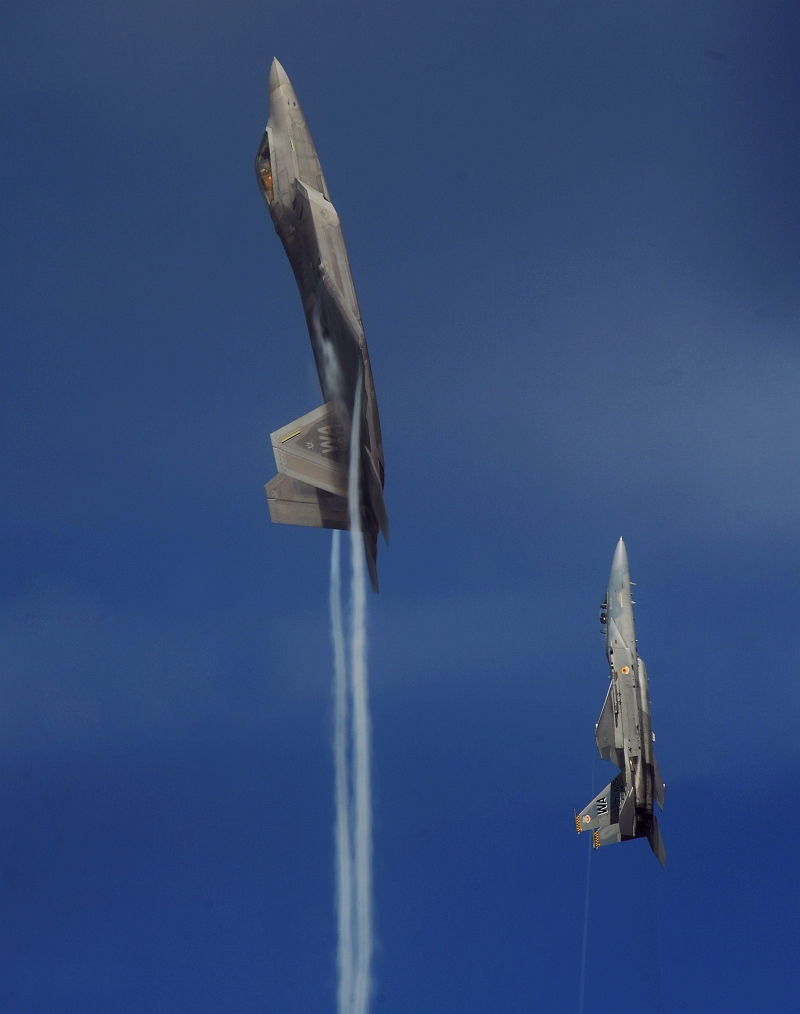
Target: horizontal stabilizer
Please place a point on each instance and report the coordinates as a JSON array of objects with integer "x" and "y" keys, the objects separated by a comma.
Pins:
[
  {"x": 292, "y": 502},
  {"x": 374, "y": 495},
  {"x": 314, "y": 449},
  {"x": 656, "y": 843},
  {"x": 371, "y": 553}
]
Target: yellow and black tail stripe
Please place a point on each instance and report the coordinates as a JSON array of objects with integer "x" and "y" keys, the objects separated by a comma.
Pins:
[
  {"x": 596, "y": 840},
  {"x": 577, "y": 823}
]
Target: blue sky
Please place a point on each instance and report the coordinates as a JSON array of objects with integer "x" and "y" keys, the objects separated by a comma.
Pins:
[{"x": 574, "y": 234}]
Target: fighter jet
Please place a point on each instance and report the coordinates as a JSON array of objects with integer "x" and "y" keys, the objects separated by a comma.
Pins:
[
  {"x": 624, "y": 808},
  {"x": 313, "y": 452}
]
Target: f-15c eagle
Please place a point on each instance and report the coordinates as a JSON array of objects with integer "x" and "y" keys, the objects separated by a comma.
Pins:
[{"x": 625, "y": 807}]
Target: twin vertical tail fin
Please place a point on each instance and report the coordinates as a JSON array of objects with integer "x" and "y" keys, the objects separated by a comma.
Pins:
[
  {"x": 312, "y": 456},
  {"x": 315, "y": 449},
  {"x": 611, "y": 817},
  {"x": 311, "y": 486}
]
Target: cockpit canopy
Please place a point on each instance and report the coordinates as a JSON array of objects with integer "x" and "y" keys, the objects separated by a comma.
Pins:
[{"x": 264, "y": 169}]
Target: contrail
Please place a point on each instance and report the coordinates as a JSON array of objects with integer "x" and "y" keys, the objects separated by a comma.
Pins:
[
  {"x": 344, "y": 878},
  {"x": 330, "y": 363},
  {"x": 586, "y": 918},
  {"x": 351, "y": 752},
  {"x": 585, "y": 932},
  {"x": 362, "y": 810},
  {"x": 341, "y": 710}
]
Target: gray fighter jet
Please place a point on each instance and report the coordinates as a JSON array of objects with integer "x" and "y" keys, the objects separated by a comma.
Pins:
[
  {"x": 624, "y": 808},
  {"x": 312, "y": 453}
]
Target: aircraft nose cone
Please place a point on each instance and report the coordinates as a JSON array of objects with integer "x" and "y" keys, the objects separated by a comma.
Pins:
[
  {"x": 619, "y": 565},
  {"x": 277, "y": 76}
]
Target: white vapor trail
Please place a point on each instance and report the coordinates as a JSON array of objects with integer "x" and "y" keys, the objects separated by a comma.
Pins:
[
  {"x": 330, "y": 363},
  {"x": 362, "y": 810},
  {"x": 582, "y": 994},
  {"x": 351, "y": 750},
  {"x": 344, "y": 878}
]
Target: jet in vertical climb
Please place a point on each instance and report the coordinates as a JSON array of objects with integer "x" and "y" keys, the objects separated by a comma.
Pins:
[
  {"x": 313, "y": 452},
  {"x": 625, "y": 807}
]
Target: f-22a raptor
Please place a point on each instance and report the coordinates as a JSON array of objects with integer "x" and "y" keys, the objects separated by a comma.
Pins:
[
  {"x": 624, "y": 808},
  {"x": 313, "y": 452}
]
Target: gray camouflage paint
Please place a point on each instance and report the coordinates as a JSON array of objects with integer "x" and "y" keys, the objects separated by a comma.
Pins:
[{"x": 624, "y": 808}]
